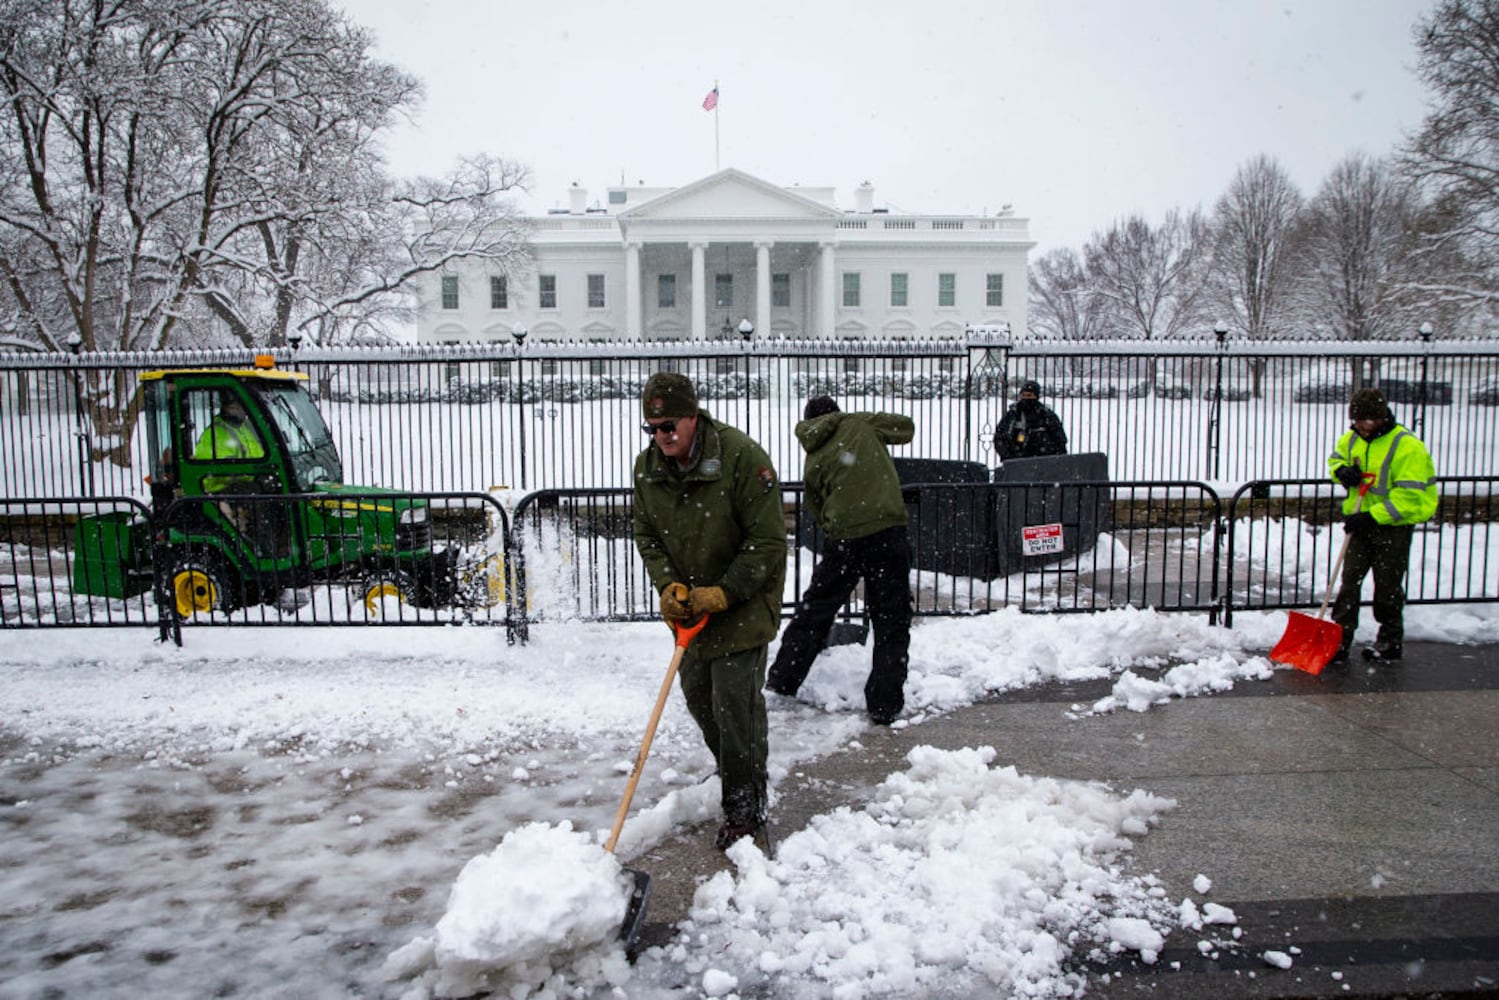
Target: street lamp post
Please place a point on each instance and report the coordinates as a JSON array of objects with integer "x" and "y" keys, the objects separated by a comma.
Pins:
[
  {"x": 747, "y": 334},
  {"x": 1215, "y": 406},
  {"x": 85, "y": 467},
  {"x": 1425, "y": 331},
  {"x": 518, "y": 334}
]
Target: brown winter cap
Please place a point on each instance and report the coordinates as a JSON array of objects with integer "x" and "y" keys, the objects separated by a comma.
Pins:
[
  {"x": 667, "y": 394},
  {"x": 1368, "y": 404}
]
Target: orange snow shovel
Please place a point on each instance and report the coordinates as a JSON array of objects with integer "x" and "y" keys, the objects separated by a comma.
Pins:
[
  {"x": 641, "y": 894},
  {"x": 1310, "y": 643}
]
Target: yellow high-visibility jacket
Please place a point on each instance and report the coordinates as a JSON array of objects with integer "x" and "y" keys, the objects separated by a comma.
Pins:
[{"x": 1404, "y": 490}]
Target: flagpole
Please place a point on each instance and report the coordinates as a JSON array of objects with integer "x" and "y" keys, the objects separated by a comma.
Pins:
[{"x": 715, "y": 130}]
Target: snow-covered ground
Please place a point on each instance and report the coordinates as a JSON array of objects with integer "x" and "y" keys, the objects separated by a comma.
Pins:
[{"x": 343, "y": 812}]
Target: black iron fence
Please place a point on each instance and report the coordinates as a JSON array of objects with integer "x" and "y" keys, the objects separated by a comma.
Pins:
[{"x": 552, "y": 416}]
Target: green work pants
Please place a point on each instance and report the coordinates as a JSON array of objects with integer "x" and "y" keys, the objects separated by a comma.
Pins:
[
  {"x": 1385, "y": 549},
  {"x": 725, "y": 698}
]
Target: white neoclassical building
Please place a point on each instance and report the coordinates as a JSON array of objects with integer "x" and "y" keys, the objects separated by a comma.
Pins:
[{"x": 731, "y": 252}]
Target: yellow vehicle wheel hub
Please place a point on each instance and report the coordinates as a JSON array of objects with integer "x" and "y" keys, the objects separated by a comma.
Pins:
[
  {"x": 195, "y": 592},
  {"x": 377, "y": 593}
]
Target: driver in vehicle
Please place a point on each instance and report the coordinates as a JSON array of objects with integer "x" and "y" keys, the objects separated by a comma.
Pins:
[{"x": 232, "y": 437}]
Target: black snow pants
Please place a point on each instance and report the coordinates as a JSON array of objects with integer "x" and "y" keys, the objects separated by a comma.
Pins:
[
  {"x": 1385, "y": 549},
  {"x": 883, "y": 561}
]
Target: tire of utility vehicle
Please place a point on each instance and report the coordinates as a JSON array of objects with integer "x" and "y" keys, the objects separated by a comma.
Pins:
[
  {"x": 374, "y": 589},
  {"x": 199, "y": 585}
]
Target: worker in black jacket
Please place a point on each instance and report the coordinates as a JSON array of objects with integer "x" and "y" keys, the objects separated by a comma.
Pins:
[{"x": 1029, "y": 428}]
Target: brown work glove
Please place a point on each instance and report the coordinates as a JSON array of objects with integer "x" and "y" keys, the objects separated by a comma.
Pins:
[
  {"x": 707, "y": 601},
  {"x": 674, "y": 599}
]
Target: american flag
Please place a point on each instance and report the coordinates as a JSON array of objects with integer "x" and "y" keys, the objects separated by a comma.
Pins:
[{"x": 711, "y": 101}]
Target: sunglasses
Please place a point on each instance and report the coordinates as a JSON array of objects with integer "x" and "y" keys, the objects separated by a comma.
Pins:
[{"x": 664, "y": 427}]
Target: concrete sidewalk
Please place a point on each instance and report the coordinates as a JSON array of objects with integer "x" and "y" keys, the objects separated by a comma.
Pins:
[{"x": 1353, "y": 817}]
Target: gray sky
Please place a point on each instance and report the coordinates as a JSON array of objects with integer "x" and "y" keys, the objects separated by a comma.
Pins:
[{"x": 1075, "y": 112}]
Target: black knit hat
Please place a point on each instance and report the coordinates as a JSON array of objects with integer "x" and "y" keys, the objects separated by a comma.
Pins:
[
  {"x": 667, "y": 394},
  {"x": 818, "y": 406},
  {"x": 1030, "y": 386},
  {"x": 1368, "y": 404}
]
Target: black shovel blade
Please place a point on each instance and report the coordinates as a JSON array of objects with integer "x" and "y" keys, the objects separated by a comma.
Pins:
[{"x": 640, "y": 897}]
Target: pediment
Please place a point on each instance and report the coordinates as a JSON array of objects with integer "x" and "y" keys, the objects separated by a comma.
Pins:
[{"x": 730, "y": 194}]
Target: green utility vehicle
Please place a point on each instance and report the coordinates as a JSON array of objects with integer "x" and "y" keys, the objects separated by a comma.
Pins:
[{"x": 275, "y": 512}]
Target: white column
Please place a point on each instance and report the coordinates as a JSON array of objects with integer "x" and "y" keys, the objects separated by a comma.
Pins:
[
  {"x": 762, "y": 287},
  {"x": 699, "y": 293},
  {"x": 634, "y": 318},
  {"x": 827, "y": 316}
]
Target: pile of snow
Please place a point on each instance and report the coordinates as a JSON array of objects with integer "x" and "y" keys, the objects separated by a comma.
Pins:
[
  {"x": 957, "y": 878},
  {"x": 544, "y": 907}
]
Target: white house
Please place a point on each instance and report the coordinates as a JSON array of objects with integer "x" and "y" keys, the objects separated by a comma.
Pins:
[{"x": 732, "y": 253}]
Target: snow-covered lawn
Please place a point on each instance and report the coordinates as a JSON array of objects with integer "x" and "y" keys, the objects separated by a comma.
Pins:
[{"x": 287, "y": 812}]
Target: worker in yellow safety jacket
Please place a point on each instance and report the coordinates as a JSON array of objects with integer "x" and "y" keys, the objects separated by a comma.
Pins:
[
  {"x": 230, "y": 437},
  {"x": 1401, "y": 493}
]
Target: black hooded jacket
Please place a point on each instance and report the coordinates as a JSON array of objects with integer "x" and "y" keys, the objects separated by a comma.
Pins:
[{"x": 1029, "y": 430}]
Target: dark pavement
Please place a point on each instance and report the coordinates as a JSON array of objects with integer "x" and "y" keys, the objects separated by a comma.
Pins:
[{"x": 1351, "y": 820}]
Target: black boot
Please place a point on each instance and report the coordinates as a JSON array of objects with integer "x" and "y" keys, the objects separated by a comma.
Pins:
[
  {"x": 729, "y": 833},
  {"x": 1383, "y": 652}
]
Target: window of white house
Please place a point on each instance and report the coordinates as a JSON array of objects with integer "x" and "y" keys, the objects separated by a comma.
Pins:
[
  {"x": 548, "y": 288},
  {"x": 723, "y": 290},
  {"x": 947, "y": 289},
  {"x": 595, "y": 291},
  {"x": 994, "y": 290},
  {"x": 617, "y": 197},
  {"x": 898, "y": 289},
  {"x": 851, "y": 289},
  {"x": 450, "y": 291},
  {"x": 499, "y": 292},
  {"x": 780, "y": 290},
  {"x": 666, "y": 291}
]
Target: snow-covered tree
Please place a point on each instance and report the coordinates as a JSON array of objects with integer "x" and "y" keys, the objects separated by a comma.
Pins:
[
  {"x": 1252, "y": 229},
  {"x": 1151, "y": 278},
  {"x": 1062, "y": 305},
  {"x": 1455, "y": 155},
  {"x": 1354, "y": 254},
  {"x": 179, "y": 171}
]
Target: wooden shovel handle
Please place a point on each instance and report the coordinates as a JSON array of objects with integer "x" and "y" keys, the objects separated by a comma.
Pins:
[
  {"x": 685, "y": 634},
  {"x": 1358, "y": 505}
]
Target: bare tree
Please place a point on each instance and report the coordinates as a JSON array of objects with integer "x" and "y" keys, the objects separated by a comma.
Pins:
[
  {"x": 1354, "y": 253},
  {"x": 1062, "y": 305},
  {"x": 1252, "y": 228},
  {"x": 1455, "y": 155},
  {"x": 1151, "y": 278},
  {"x": 170, "y": 169}
]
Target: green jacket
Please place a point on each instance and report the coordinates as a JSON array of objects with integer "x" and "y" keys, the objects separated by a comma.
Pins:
[
  {"x": 1405, "y": 485},
  {"x": 721, "y": 524},
  {"x": 852, "y": 488}
]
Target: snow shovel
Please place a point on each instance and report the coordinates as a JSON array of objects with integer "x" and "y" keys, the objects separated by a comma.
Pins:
[
  {"x": 640, "y": 896},
  {"x": 1309, "y": 643}
]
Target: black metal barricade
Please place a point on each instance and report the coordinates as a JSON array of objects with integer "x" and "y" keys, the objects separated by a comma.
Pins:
[
  {"x": 1095, "y": 545},
  {"x": 1283, "y": 540},
  {"x": 74, "y": 562},
  {"x": 249, "y": 559}
]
